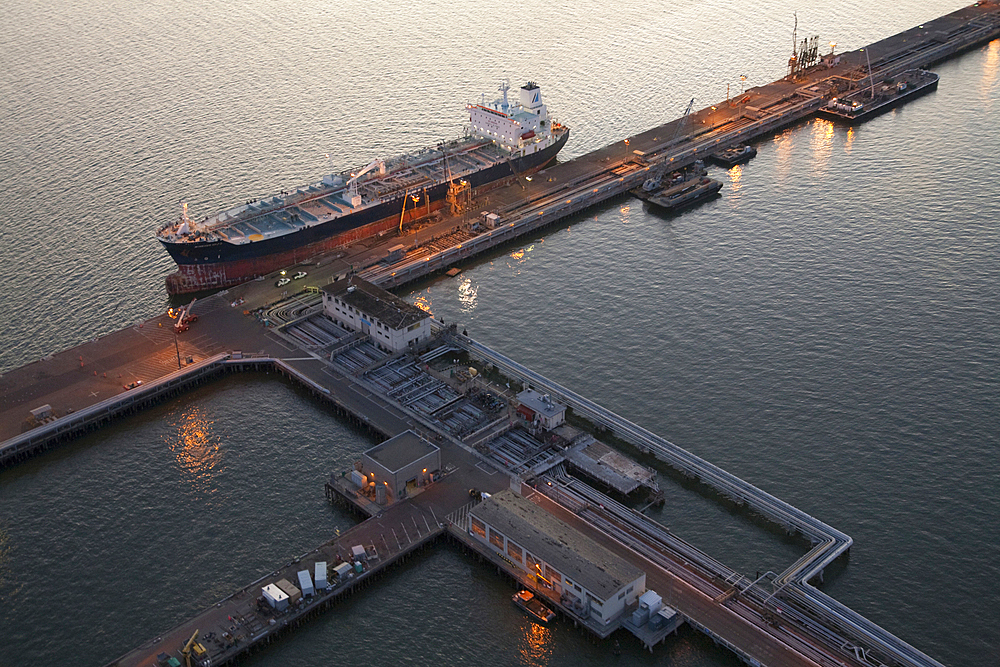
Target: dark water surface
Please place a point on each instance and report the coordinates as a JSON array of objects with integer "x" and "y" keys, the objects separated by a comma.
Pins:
[{"x": 828, "y": 329}]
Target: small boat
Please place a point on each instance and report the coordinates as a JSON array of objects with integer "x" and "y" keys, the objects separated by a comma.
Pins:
[
  {"x": 735, "y": 155},
  {"x": 532, "y": 606}
]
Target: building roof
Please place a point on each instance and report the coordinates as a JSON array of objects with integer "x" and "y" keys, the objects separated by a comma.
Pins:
[
  {"x": 540, "y": 403},
  {"x": 576, "y": 556},
  {"x": 400, "y": 451},
  {"x": 375, "y": 302}
]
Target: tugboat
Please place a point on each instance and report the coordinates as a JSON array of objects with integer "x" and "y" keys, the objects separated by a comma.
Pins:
[
  {"x": 682, "y": 189},
  {"x": 735, "y": 155},
  {"x": 532, "y": 606}
]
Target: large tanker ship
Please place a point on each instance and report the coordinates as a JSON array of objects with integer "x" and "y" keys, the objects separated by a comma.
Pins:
[{"x": 504, "y": 139}]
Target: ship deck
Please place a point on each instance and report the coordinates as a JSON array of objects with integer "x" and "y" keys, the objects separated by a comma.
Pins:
[{"x": 316, "y": 204}]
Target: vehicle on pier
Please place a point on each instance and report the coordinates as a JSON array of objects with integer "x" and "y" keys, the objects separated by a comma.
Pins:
[{"x": 531, "y": 605}]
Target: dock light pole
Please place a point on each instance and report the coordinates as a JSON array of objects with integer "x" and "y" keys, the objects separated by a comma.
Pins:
[{"x": 177, "y": 348}]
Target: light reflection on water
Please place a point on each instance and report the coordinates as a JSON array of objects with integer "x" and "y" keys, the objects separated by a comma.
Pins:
[
  {"x": 735, "y": 175},
  {"x": 423, "y": 302},
  {"x": 535, "y": 644},
  {"x": 467, "y": 295},
  {"x": 990, "y": 67},
  {"x": 849, "y": 140},
  {"x": 197, "y": 448},
  {"x": 821, "y": 141}
]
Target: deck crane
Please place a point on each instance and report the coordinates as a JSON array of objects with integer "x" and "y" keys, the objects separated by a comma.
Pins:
[
  {"x": 352, "y": 185},
  {"x": 200, "y": 652},
  {"x": 683, "y": 120}
]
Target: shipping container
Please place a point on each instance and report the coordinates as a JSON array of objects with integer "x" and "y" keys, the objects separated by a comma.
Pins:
[
  {"x": 306, "y": 584},
  {"x": 275, "y": 597},
  {"x": 321, "y": 582},
  {"x": 293, "y": 593}
]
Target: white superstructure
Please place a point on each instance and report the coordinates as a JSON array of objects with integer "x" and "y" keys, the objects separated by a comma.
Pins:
[{"x": 521, "y": 128}]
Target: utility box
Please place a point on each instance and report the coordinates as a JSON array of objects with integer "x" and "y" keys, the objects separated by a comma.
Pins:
[
  {"x": 306, "y": 584},
  {"x": 492, "y": 221},
  {"x": 359, "y": 479},
  {"x": 358, "y": 552},
  {"x": 321, "y": 581},
  {"x": 640, "y": 616},
  {"x": 396, "y": 253},
  {"x": 650, "y": 600},
  {"x": 275, "y": 597}
]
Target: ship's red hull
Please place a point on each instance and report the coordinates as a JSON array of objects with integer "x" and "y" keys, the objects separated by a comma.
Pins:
[{"x": 200, "y": 277}]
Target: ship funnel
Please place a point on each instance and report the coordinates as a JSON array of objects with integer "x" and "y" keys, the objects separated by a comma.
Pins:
[{"x": 531, "y": 99}]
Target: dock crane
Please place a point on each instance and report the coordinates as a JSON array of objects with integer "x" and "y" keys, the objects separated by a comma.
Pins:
[
  {"x": 200, "y": 652},
  {"x": 683, "y": 120}
]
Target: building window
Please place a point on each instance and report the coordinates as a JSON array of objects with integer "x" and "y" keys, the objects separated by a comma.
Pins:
[
  {"x": 496, "y": 539},
  {"x": 530, "y": 561},
  {"x": 629, "y": 589},
  {"x": 552, "y": 575},
  {"x": 595, "y": 612},
  {"x": 514, "y": 551},
  {"x": 621, "y": 595},
  {"x": 478, "y": 528}
]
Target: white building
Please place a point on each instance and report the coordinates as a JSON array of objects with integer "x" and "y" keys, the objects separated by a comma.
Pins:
[
  {"x": 391, "y": 323},
  {"x": 541, "y": 409},
  {"x": 588, "y": 579}
]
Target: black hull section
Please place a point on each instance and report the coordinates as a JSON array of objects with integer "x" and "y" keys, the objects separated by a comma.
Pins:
[
  {"x": 879, "y": 109},
  {"x": 221, "y": 252}
]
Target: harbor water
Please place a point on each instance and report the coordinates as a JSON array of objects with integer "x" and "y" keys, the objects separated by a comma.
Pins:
[{"x": 828, "y": 328}]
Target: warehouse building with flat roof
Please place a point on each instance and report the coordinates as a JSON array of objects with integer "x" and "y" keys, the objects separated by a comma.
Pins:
[
  {"x": 391, "y": 323},
  {"x": 586, "y": 577},
  {"x": 401, "y": 461}
]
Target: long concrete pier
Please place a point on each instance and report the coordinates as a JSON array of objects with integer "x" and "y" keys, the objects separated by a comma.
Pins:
[{"x": 777, "y": 619}]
